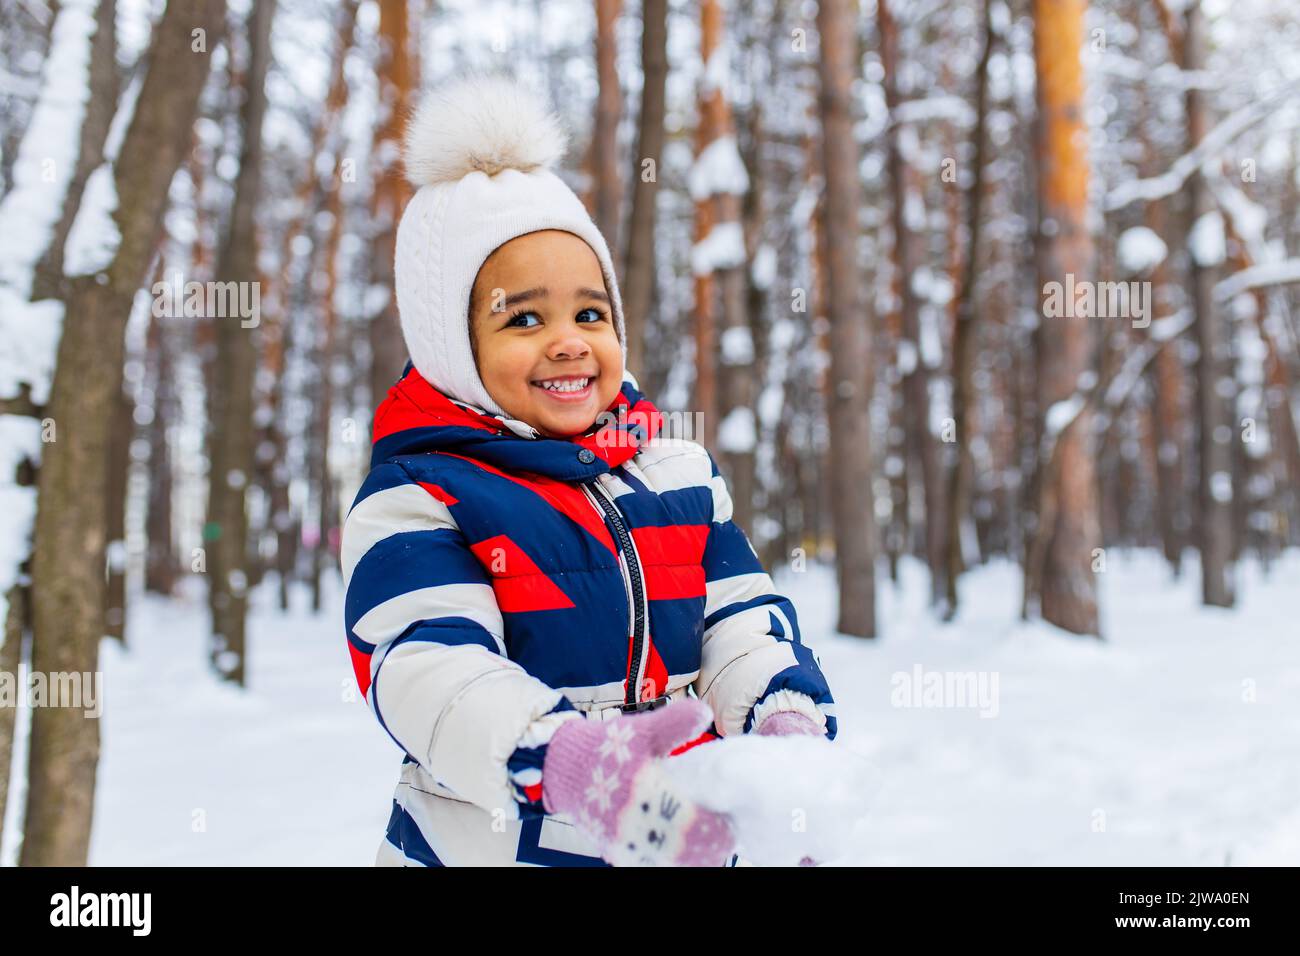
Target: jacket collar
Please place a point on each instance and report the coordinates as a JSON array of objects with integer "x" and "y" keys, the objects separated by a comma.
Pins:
[{"x": 416, "y": 417}]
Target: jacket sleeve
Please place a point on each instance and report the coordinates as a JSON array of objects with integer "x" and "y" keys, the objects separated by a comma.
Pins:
[
  {"x": 426, "y": 639},
  {"x": 752, "y": 663}
]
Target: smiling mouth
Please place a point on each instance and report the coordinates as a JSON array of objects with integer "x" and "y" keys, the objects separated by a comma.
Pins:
[{"x": 566, "y": 388}]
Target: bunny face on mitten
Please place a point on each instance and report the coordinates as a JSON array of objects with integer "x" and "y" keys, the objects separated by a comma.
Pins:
[{"x": 608, "y": 777}]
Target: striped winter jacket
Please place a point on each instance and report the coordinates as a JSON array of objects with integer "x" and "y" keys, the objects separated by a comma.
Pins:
[{"x": 500, "y": 582}]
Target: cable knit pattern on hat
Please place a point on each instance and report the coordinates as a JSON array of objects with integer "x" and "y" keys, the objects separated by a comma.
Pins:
[{"x": 479, "y": 151}]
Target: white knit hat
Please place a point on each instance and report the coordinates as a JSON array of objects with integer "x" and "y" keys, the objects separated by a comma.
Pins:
[{"x": 479, "y": 152}]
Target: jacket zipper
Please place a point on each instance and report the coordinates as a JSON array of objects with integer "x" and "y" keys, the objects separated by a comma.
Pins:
[{"x": 636, "y": 590}]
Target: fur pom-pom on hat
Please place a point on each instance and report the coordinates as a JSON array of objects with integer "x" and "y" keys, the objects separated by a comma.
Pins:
[{"x": 482, "y": 122}]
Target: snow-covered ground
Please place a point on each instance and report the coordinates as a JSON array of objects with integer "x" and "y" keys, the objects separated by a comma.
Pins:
[{"x": 1175, "y": 741}]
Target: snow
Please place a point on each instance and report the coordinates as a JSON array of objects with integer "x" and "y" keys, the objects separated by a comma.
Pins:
[
  {"x": 1206, "y": 240},
  {"x": 30, "y": 331},
  {"x": 722, "y": 248},
  {"x": 1061, "y": 413},
  {"x": 1176, "y": 735},
  {"x": 94, "y": 236},
  {"x": 1253, "y": 277},
  {"x": 907, "y": 356},
  {"x": 1139, "y": 250},
  {"x": 47, "y": 156},
  {"x": 811, "y": 808},
  {"x": 20, "y": 437},
  {"x": 737, "y": 433},
  {"x": 763, "y": 269},
  {"x": 718, "y": 169},
  {"x": 737, "y": 345}
]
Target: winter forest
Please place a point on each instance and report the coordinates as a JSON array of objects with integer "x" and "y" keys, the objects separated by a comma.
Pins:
[{"x": 989, "y": 311}]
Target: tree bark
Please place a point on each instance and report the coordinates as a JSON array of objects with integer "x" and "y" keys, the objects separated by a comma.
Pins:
[
  {"x": 1213, "y": 374},
  {"x": 397, "y": 82},
  {"x": 231, "y": 402},
  {"x": 68, "y": 558},
  {"x": 160, "y": 566},
  {"x": 608, "y": 191},
  {"x": 966, "y": 341},
  {"x": 1068, "y": 494},
  {"x": 639, "y": 259},
  {"x": 923, "y": 450},
  {"x": 849, "y": 387}
]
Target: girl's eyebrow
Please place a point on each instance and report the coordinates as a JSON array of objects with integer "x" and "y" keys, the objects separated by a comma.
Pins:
[
  {"x": 525, "y": 295},
  {"x": 542, "y": 292}
]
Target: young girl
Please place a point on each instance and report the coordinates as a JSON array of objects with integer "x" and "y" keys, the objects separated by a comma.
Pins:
[{"x": 545, "y": 599}]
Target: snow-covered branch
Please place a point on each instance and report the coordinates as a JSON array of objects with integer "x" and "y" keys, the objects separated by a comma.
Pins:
[
  {"x": 1218, "y": 139},
  {"x": 1257, "y": 277}
]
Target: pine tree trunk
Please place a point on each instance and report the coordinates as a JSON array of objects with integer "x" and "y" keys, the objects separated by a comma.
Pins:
[
  {"x": 1071, "y": 533},
  {"x": 848, "y": 388},
  {"x": 397, "y": 81}
]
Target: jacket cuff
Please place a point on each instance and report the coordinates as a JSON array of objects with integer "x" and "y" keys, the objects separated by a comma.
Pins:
[{"x": 524, "y": 766}]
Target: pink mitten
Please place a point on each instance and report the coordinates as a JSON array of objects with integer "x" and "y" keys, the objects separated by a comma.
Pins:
[
  {"x": 607, "y": 777},
  {"x": 785, "y": 722}
]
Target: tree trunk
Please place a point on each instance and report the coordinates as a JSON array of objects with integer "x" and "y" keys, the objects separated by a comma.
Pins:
[
  {"x": 324, "y": 396},
  {"x": 119, "y": 469},
  {"x": 231, "y": 401},
  {"x": 68, "y": 558},
  {"x": 1213, "y": 373},
  {"x": 608, "y": 189},
  {"x": 923, "y": 451},
  {"x": 639, "y": 260},
  {"x": 397, "y": 81},
  {"x": 966, "y": 341},
  {"x": 1067, "y": 582},
  {"x": 849, "y": 388},
  {"x": 160, "y": 557}
]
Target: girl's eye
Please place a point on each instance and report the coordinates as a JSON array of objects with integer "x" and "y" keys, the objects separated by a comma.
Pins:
[
  {"x": 594, "y": 315},
  {"x": 516, "y": 320}
]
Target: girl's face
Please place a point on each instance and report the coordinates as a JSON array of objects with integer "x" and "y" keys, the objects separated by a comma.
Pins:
[{"x": 543, "y": 332}]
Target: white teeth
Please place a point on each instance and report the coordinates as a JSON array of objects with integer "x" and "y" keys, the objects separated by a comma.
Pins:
[{"x": 574, "y": 385}]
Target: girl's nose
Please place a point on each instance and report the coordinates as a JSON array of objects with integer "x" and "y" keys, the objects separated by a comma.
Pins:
[{"x": 568, "y": 344}]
